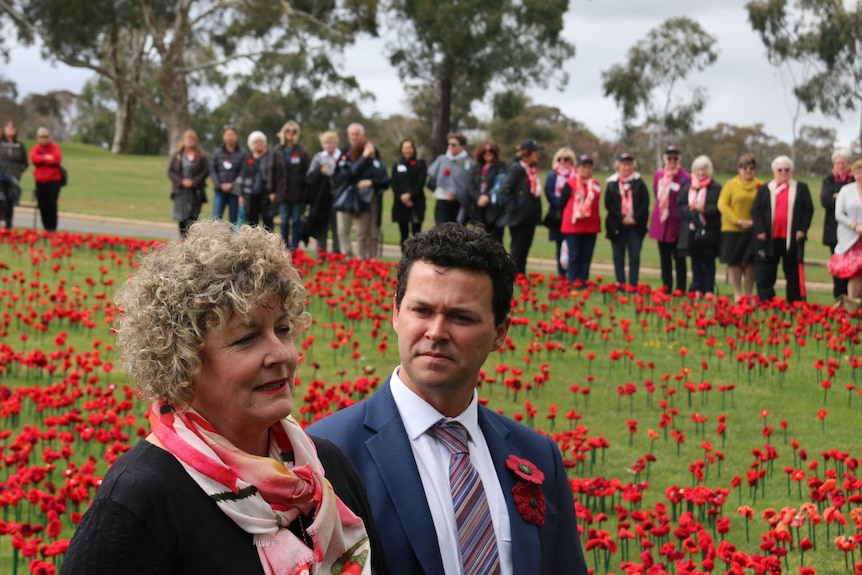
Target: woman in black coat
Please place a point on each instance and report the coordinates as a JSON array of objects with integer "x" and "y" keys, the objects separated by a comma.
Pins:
[
  {"x": 521, "y": 195},
  {"x": 700, "y": 232},
  {"x": 781, "y": 214},
  {"x": 840, "y": 176},
  {"x": 627, "y": 204},
  {"x": 486, "y": 178},
  {"x": 408, "y": 186}
]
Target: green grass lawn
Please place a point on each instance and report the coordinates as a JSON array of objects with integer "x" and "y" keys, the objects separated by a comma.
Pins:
[
  {"x": 137, "y": 187},
  {"x": 563, "y": 343}
]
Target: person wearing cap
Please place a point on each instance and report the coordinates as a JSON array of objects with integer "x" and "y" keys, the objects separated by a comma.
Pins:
[
  {"x": 486, "y": 178},
  {"x": 449, "y": 177},
  {"x": 781, "y": 215},
  {"x": 581, "y": 221},
  {"x": 700, "y": 234},
  {"x": 665, "y": 222},
  {"x": 840, "y": 176},
  {"x": 521, "y": 194},
  {"x": 563, "y": 168},
  {"x": 627, "y": 205}
]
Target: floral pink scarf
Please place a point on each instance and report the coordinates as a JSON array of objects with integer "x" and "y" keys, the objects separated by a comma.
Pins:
[
  {"x": 264, "y": 495},
  {"x": 697, "y": 198},
  {"x": 584, "y": 194},
  {"x": 663, "y": 193},
  {"x": 626, "y": 206},
  {"x": 533, "y": 178}
]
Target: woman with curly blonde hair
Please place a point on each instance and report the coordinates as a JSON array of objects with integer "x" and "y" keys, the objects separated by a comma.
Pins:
[{"x": 227, "y": 481}]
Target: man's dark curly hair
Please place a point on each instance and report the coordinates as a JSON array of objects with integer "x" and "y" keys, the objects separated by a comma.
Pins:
[{"x": 451, "y": 245}]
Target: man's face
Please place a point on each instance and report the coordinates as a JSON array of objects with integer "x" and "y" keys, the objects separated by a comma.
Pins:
[{"x": 445, "y": 326}]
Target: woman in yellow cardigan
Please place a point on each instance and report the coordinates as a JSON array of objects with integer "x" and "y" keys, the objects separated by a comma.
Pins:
[{"x": 734, "y": 203}]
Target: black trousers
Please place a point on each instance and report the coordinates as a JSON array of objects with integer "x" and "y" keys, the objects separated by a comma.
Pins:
[
  {"x": 766, "y": 272},
  {"x": 408, "y": 229},
  {"x": 254, "y": 212},
  {"x": 446, "y": 211},
  {"x": 522, "y": 240},
  {"x": 670, "y": 258},
  {"x": 46, "y": 196}
]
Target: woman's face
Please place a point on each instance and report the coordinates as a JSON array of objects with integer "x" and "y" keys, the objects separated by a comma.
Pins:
[
  {"x": 329, "y": 145},
  {"x": 747, "y": 173},
  {"x": 9, "y": 130},
  {"x": 532, "y": 158},
  {"x": 488, "y": 154},
  {"x": 407, "y": 150},
  {"x": 701, "y": 172},
  {"x": 190, "y": 142},
  {"x": 247, "y": 375},
  {"x": 229, "y": 138},
  {"x": 841, "y": 165},
  {"x": 671, "y": 161},
  {"x": 585, "y": 171},
  {"x": 857, "y": 175},
  {"x": 43, "y": 138},
  {"x": 626, "y": 169},
  {"x": 782, "y": 173},
  {"x": 258, "y": 146}
]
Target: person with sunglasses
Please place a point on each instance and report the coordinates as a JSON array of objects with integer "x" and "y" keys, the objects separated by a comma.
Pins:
[
  {"x": 562, "y": 168},
  {"x": 450, "y": 181},
  {"x": 781, "y": 215},
  {"x": 486, "y": 179},
  {"x": 665, "y": 222},
  {"x": 288, "y": 167}
]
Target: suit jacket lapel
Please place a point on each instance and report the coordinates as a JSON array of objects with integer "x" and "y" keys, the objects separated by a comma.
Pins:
[
  {"x": 526, "y": 549},
  {"x": 390, "y": 449}
]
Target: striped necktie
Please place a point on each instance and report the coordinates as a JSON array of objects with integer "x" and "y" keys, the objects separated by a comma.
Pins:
[{"x": 472, "y": 515}]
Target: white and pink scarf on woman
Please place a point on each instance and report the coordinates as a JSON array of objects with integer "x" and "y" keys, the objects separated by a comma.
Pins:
[
  {"x": 697, "y": 198},
  {"x": 263, "y": 496},
  {"x": 626, "y": 204},
  {"x": 584, "y": 193},
  {"x": 533, "y": 178},
  {"x": 663, "y": 193}
]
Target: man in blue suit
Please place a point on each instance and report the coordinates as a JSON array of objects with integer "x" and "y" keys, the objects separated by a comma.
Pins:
[{"x": 451, "y": 310}]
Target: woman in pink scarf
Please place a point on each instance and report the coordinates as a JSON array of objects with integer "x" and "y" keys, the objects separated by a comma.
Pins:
[
  {"x": 562, "y": 168},
  {"x": 700, "y": 233},
  {"x": 840, "y": 176},
  {"x": 227, "y": 481},
  {"x": 665, "y": 222}
]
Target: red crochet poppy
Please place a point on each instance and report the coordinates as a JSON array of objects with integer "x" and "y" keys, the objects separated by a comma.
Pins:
[
  {"x": 447, "y": 172},
  {"x": 530, "y": 502}
]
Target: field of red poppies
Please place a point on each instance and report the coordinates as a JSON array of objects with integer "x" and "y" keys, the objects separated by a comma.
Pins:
[{"x": 701, "y": 436}]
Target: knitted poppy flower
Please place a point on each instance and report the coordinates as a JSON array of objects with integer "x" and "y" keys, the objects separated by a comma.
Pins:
[
  {"x": 530, "y": 502},
  {"x": 525, "y": 470},
  {"x": 447, "y": 172},
  {"x": 412, "y": 163}
]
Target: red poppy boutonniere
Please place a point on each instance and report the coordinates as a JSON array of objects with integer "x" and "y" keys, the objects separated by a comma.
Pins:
[
  {"x": 412, "y": 163},
  {"x": 528, "y": 490},
  {"x": 447, "y": 172}
]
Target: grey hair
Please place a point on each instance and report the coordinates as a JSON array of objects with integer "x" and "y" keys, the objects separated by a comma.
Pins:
[
  {"x": 781, "y": 160},
  {"x": 841, "y": 153},
  {"x": 254, "y": 136},
  {"x": 702, "y": 161}
]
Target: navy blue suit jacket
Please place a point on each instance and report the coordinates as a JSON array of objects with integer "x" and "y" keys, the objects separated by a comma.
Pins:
[{"x": 372, "y": 434}]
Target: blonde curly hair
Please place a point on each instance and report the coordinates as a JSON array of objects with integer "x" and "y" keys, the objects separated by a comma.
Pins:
[{"x": 183, "y": 289}]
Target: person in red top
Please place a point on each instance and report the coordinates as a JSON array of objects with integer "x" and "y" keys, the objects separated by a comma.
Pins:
[
  {"x": 781, "y": 215},
  {"x": 46, "y": 157},
  {"x": 581, "y": 221}
]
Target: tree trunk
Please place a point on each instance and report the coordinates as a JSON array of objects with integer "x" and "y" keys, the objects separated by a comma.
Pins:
[
  {"x": 444, "y": 113},
  {"x": 124, "y": 122},
  {"x": 174, "y": 112}
]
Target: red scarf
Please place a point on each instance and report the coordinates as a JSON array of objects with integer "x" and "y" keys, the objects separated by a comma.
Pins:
[
  {"x": 533, "y": 178},
  {"x": 844, "y": 178}
]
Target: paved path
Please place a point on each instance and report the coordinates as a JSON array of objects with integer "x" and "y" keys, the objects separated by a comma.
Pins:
[{"x": 24, "y": 217}]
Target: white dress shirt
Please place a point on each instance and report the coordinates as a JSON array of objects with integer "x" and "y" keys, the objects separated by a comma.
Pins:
[{"x": 432, "y": 459}]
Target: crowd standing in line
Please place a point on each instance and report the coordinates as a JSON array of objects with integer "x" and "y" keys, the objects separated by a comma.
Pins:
[{"x": 328, "y": 195}]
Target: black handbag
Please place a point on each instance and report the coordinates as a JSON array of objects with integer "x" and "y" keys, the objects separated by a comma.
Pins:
[
  {"x": 554, "y": 218},
  {"x": 346, "y": 200}
]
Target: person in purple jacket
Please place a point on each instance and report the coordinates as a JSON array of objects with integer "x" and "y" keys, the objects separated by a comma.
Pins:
[{"x": 665, "y": 222}]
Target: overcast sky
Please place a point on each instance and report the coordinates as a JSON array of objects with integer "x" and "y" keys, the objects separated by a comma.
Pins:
[{"x": 743, "y": 88}]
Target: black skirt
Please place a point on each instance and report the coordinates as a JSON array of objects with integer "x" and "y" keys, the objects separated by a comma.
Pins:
[{"x": 737, "y": 248}]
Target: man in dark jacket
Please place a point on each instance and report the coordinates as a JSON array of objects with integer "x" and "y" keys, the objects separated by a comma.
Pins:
[
  {"x": 225, "y": 167},
  {"x": 288, "y": 167}
]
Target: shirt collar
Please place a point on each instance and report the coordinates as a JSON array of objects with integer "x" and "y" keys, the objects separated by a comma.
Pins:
[{"x": 419, "y": 416}]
